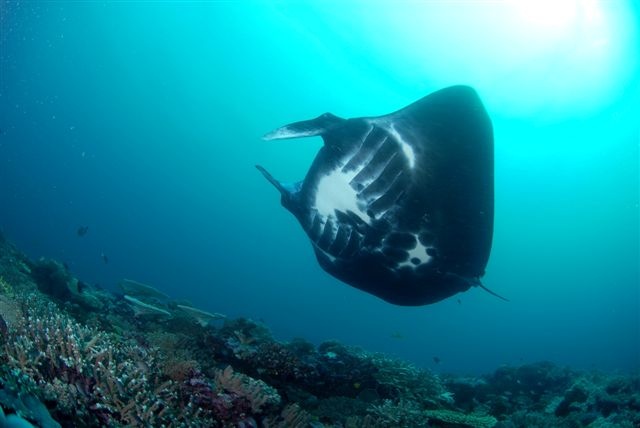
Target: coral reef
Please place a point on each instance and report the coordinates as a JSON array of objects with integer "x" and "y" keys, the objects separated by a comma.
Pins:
[
  {"x": 543, "y": 394},
  {"x": 73, "y": 355}
]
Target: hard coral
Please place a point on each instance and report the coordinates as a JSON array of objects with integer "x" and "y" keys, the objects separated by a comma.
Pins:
[
  {"x": 112, "y": 381},
  {"x": 232, "y": 399},
  {"x": 461, "y": 419},
  {"x": 5, "y": 287},
  {"x": 258, "y": 393}
]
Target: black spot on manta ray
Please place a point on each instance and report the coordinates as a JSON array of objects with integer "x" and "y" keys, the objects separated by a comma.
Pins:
[
  {"x": 425, "y": 238},
  {"x": 426, "y": 169},
  {"x": 395, "y": 254},
  {"x": 401, "y": 240}
]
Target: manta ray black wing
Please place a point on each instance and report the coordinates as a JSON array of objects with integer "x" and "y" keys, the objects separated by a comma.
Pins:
[{"x": 400, "y": 206}]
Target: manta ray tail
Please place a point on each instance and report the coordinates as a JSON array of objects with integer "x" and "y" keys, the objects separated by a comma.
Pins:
[{"x": 493, "y": 293}]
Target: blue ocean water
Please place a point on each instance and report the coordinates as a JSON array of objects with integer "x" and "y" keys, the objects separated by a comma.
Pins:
[{"x": 142, "y": 121}]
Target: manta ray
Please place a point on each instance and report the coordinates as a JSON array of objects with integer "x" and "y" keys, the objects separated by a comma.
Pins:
[{"x": 401, "y": 205}]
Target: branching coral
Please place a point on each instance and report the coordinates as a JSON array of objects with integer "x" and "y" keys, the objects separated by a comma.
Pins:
[
  {"x": 110, "y": 381},
  {"x": 5, "y": 287},
  {"x": 255, "y": 391},
  {"x": 114, "y": 382},
  {"x": 9, "y": 311},
  {"x": 292, "y": 416},
  {"x": 408, "y": 413},
  {"x": 461, "y": 419},
  {"x": 232, "y": 399},
  {"x": 367, "y": 421},
  {"x": 404, "y": 413},
  {"x": 409, "y": 382}
]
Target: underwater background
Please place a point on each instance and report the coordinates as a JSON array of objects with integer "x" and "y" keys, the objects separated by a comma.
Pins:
[{"x": 142, "y": 121}]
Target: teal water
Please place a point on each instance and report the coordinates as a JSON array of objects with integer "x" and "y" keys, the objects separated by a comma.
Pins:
[{"x": 142, "y": 120}]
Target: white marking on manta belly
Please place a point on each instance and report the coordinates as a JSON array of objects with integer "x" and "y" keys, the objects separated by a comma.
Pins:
[
  {"x": 406, "y": 148},
  {"x": 331, "y": 258},
  {"x": 418, "y": 252},
  {"x": 334, "y": 193}
]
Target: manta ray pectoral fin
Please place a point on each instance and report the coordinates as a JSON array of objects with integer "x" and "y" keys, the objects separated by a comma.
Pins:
[{"x": 306, "y": 128}]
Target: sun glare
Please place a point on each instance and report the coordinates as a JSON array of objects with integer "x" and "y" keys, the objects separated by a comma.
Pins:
[
  {"x": 547, "y": 58},
  {"x": 548, "y": 14},
  {"x": 553, "y": 57}
]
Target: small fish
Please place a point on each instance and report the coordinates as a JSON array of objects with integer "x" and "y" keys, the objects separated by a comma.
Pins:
[
  {"x": 104, "y": 258},
  {"x": 82, "y": 230},
  {"x": 437, "y": 360},
  {"x": 397, "y": 335},
  {"x": 459, "y": 301}
]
